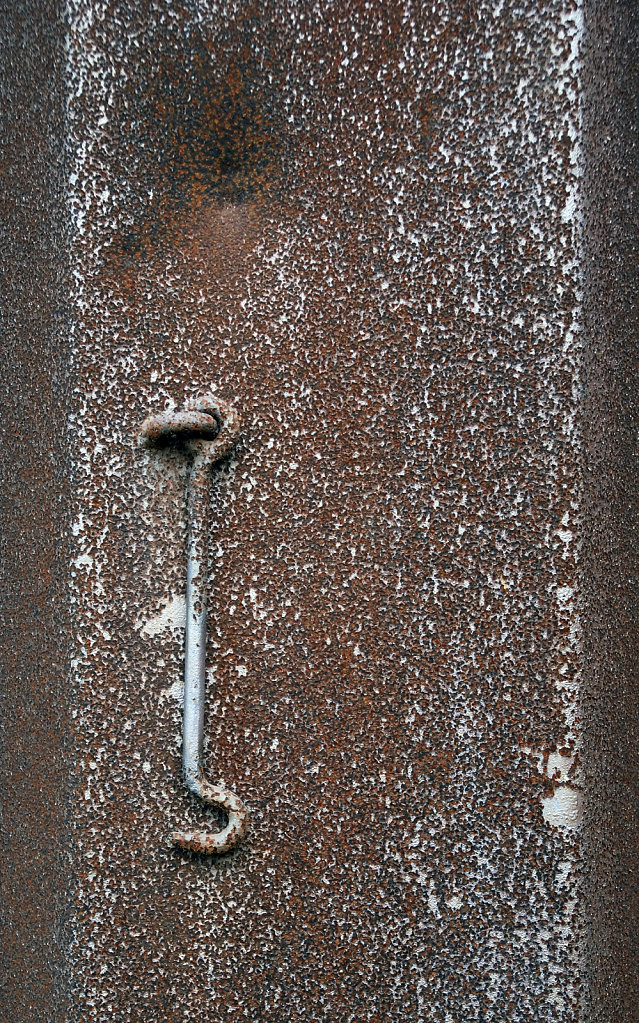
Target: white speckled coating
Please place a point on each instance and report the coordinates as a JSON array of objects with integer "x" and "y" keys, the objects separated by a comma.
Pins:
[{"x": 358, "y": 223}]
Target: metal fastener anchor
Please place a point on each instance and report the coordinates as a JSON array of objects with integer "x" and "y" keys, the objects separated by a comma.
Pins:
[{"x": 208, "y": 429}]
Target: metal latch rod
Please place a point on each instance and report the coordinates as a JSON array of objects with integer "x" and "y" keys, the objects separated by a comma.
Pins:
[{"x": 207, "y": 430}]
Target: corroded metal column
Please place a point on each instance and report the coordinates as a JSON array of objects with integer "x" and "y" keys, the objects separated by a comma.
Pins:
[
  {"x": 357, "y": 224},
  {"x": 363, "y": 226},
  {"x": 35, "y": 632}
]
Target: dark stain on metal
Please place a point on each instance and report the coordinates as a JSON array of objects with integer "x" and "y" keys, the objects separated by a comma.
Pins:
[
  {"x": 209, "y": 429},
  {"x": 361, "y": 218}
]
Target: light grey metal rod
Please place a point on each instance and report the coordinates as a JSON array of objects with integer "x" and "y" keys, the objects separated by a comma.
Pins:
[{"x": 210, "y": 429}]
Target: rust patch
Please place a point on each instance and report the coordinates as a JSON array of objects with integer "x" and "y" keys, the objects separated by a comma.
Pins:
[{"x": 205, "y": 127}]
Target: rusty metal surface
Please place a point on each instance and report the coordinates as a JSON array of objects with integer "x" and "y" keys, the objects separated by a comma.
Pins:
[
  {"x": 357, "y": 222},
  {"x": 611, "y": 654},
  {"x": 34, "y": 643},
  {"x": 233, "y": 186}
]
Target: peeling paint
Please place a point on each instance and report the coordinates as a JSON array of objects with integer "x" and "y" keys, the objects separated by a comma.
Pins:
[
  {"x": 171, "y": 617},
  {"x": 360, "y": 225},
  {"x": 564, "y": 808}
]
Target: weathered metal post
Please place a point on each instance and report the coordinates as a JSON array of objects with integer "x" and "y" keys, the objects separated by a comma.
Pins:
[{"x": 404, "y": 235}]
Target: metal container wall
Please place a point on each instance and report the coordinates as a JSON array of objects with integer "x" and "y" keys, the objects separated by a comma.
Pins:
[{"x": 359, "y": 222}]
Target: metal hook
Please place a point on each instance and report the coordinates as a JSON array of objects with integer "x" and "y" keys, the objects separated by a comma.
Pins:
[{"x": 209, "y": 429}]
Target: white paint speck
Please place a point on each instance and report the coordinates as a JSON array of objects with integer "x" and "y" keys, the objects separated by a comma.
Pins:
[
  {"x": 564, "y": 808},
  {"x": 172, "y": 616}
]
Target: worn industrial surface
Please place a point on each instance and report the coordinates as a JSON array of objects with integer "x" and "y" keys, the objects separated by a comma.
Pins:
[
  {"x": 357, "y": 222},
  {"x": 611, "y": 509},
  {"x": 34, "y": 501}
]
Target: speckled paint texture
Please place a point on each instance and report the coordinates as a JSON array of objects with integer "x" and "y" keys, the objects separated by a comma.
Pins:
[{"x": 359, "y": 222}]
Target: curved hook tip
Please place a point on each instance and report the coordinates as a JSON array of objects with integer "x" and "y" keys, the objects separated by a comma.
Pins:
[
  {"x": 216, "y": 842},
  {"x": 213, "y": 843}
]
